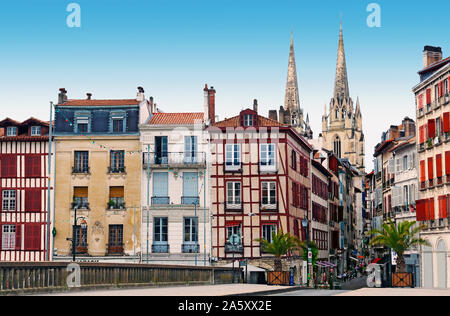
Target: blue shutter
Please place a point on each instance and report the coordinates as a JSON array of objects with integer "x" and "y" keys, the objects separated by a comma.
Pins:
[
  {"x": 160, "y": 188},
  {"x": 190, "y": 188}
]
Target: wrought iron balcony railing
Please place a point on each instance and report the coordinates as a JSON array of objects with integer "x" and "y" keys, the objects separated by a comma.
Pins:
[
  {"x": 230, "y": 248},
  {"x": 190, "y": 248},
  {"x": 180, "y": 159},
  {"x": 117, "y": 170},
  {"x": 189, "y": 200},
  {"x": 160, "y": 200},
  {"x": 81, "y": 170},
  {"x": 160, "y": 248}
]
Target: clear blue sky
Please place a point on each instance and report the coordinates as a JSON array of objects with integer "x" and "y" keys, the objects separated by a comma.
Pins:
[{"x": 172, "y": 48}]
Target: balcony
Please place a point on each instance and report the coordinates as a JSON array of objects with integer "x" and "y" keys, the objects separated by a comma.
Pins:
[
  {"x": 190, "y": 248},
  {"x": 116, "y": 170},
  {"x": 160, "y": 200},
  {"x": 80, "y": 204},
  {"x": 116, "y": 204},
  {"x": 268, "y": 207},
  {"x": 230, "y": 248},
  {"x": 268, "y": 168},
  {"x": 162, "y": 160},
  {"x": 160, "y": 248},
  {"x": 189, "y": 200},
  {"x": 439, "y": 181},
  {"x": 233, "y": 206},
  {"x": 81, "y": 170},
  {"x": 115, "y": 249}
]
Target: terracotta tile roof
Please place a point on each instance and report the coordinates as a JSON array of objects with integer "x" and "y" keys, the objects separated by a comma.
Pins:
[
  {"x": 24, "y": 138},
  {"x": 100, "y": 102},
  {"x": 176, "y": 118},
  {"x": 235, "y": 122}
]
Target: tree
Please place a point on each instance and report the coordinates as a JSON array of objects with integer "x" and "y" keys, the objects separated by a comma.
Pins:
[
  {"x": 399, "y": 238},
  {"x": 280, "y": 246},
  {"x": 314, "y": 250}
]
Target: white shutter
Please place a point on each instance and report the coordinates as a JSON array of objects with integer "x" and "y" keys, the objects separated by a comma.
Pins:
[
  {"x": 411, "y": 161},
  {"x": 391, "y": 166},
  {"x": 398, "y": 165}
]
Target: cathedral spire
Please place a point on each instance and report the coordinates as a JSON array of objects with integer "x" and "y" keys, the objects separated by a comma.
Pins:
[
  {"x": 292, "y": 101},
  {"x": 341, "y": 90}
]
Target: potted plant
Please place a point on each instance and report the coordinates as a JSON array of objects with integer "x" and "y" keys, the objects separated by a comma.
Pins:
[
  {"x": 280, "y": 246},
  {"x": 111, "y": 204},
  {"x": 430, "y": 142},
  {"x": 399, "y": 238}
]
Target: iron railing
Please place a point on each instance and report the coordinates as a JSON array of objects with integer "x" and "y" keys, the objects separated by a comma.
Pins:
[
  {"x": 157, "y": 159},
  {"x": 161, "y": 248}
]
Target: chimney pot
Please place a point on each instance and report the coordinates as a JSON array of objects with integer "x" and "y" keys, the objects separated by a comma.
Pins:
[
  {"x": 255, "y": 105},
  {"x": 431, "y": 55},
  {"x": 89, "y": 96}
]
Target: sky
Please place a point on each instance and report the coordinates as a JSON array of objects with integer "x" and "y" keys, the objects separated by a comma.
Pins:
[{"x": 172, "y": 48}]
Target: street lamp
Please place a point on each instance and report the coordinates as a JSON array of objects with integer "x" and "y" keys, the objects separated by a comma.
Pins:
[
  {"x": 305, "y": 224},
  {"x": 83, "y": 226}
]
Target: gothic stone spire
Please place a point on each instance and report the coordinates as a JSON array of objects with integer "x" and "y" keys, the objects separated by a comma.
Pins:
[
  {"x": 292, "y": 101},
  {"x": 341, "y": 90}
]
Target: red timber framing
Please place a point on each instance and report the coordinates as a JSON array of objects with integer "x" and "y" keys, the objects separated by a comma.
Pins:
[
  {"x": 27, "y": 178},
  {"x": 251, "y": 216}
]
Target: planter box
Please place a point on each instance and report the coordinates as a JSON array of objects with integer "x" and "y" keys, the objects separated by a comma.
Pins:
[
  {"x": 277, "y": 278},
  {"x": 402, "y": 280}
]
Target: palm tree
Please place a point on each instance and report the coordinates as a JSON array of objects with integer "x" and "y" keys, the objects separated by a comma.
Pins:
[
  {"x": 314, "y": 250},
  {"x": 281, "y": 244},
  {"x": 399, "y": 238}
]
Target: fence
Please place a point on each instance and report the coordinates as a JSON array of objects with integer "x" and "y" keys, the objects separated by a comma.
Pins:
[{"x": 27, "y": 277}]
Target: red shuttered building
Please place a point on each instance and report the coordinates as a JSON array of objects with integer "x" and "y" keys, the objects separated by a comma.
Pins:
[{"x": 23, "y": 189}]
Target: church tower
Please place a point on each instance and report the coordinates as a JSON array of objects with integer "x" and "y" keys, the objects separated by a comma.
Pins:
[
  {"x": 292, "y": 113},
  {"x": 342, "y": 125}
]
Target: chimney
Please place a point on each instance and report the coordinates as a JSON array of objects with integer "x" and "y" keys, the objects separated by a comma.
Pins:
[
  {"x": 210, "y": 104},
  {"x": 62, "y": 96},
  {"x": 255, "y": 105},
  {"x": 273, "y": 115},
  {"x": 89, "y": 96},
  {"x": 431, "y": 55},
  {"x": 140, "y": 95}
]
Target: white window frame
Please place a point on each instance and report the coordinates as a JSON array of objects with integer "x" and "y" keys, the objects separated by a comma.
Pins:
[
  {"x": 8, "y": 237},
  {"x": 233, "y": 200},
  {"x": 273, "y": 229},
  {"x": 35, "y": 131},
  {"x": 248, "y": 120},
  {"x": 267, "y": 158},
  {"x": 234, "y": 230},
  {"x": 9, "y": 202},
  {"x": 11, "y": 131},
  {"x": 232, "y": 157},
  {"x": 271, "y": 188}
]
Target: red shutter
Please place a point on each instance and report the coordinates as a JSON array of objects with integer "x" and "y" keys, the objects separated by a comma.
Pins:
[
  {"x": 431, "y": 128},
  {"x": 432, "y": 216},
  {"x": 447, "y": 162},
  {"x": 33, "y": 237},
  {"x": 441, "y": 89},
  {"x": 442, "y": 206},
  {"x": 427, "y": 209},
  {"x": 428, "y": 96},
  {"x": 37, "y": 166},
  {"x": 419, "y": 211},
  {"x": 420, "y": 101},
  {"x": 18, "y": 236},
  {"x": 446, "y": 122},
  {"x": 421, "y": 134},
  {"x": 430, "y": 168},
  {"x": 438, "y": 166},
  {"x": 422, "y": 170}
]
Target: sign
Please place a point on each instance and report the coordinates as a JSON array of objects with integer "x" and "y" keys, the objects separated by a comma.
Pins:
[
  {"x": 243, "y": 263},
  {"x": 309, "y": 256},
  {"x": 394, "y": 257},
  {"x": 235, "y": 239}
]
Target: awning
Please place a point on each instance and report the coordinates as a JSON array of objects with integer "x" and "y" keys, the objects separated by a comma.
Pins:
[
  {"x": 376, "y": 260},
  {"x": 325, "y": 264}
]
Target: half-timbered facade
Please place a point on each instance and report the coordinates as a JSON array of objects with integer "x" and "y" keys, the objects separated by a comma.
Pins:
[
  {"x": 260, "y": 183},
  {"x": 24, "y": 148}
]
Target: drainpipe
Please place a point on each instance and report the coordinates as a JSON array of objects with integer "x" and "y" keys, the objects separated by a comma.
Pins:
[{"x": 49, "y": 243}]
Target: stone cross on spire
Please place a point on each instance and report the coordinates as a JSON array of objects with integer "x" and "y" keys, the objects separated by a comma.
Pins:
[
  {"x": 292, "y": 101},
  {"x": 341, "y": 90}
]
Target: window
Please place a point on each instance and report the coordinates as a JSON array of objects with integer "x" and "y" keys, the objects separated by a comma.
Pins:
[
  {"x": 32, "y": 166},
  {"x": 234, "y": 229},
  {"x": 190, "y": 188},
  {"x": 269, "y": 193},
  {"x": 118, "y": 125},
  {"x": 80, "y": 239},
  {"x": 160, "y": 230},
  {"x": 232, "y": 156},
  {"x": 115, "y": 245},
  {"x": 268, "y": 230},
  {"x": 405, "y": 195},
  {"x": 80, "y": 198},
  {"x": 248, "y": 120},
  {"x": 116, "y": 200},
  {"x": 190, "y": 149},
  {"x": 82, "y": 122},
  {"x": 33, "y": 237},
  {"x": 446, "y": 86},
  {"x": 117, "y": 161},
  {"x": 11, "y": 131},
  {"x": 190, "y": 230},
  {"x": 8, "y": 237},
  {"x": 8, "y": 166},
  {"x": 160, "y": 188},
  {"x": 161, "y": 153},
  {"x": 267, "y": 154},
  {"x": 33, "y": 199},
  {"x": 9, "y": 200},
  {"x": 81, "y": 162},
  {"x": 405, "y": 163},
  {"x": 294, "y": 160},
  {"x": 337, "y": 147},
  {"x": 233, "y": 195},
  {"x": 35, "y": 130}
]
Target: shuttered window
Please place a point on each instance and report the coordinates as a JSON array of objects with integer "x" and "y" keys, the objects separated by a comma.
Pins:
[
  {"x": 8, "y": 166},
  {"x": 442, "y": 206},
  {"x": 428, "y": 96},
  {"x": 32, "y": 236},
  {"x": 430, "y": 168},
  {"x": 33, "y": 201},
  {"x": 446, "y": 122},
  {"x": 431, "y": 128},
  {"x": 32, "y": 166},
  {"x": 439, "y": 166},
  {"x": 422, "y": 171},
  {"x": 447, "y": 162}
]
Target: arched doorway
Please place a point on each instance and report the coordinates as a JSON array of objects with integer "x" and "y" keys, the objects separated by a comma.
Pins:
[
  {"x": 441, "y": 260},
  {"x": 427, "y": 255}
]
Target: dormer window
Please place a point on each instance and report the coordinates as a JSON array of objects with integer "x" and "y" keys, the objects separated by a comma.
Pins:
[
  {"x": 35, "y": 130},
  {"x": 248, "y": 120},
  {"x": 82, "y": 121},
  {"x": 11, "y": 131},
  {"x": 118, "y": 122}
]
